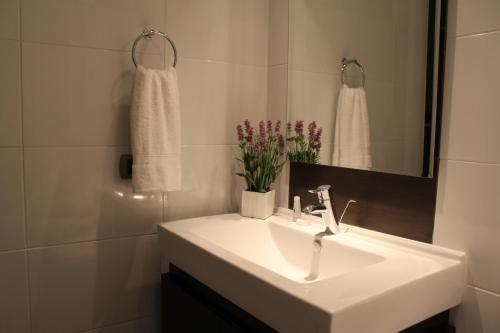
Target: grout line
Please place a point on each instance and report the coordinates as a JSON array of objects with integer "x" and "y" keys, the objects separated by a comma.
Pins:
[
  {"x": 23, "y": 164},
  {"x": 217, "y": 61},
  {"x": 479, "y": 34},
  {"x": 116, "y": 324},
  {"x": 487, "y": 291},
  {"x": 115, "y": 146},
  {"x": 10, "y": 39},
  {"x": 92, "y": 241},
  {"x": 21, "y": 249},
  {"x": 471, "y": 162},
  {"x": 91, "y": 47}
]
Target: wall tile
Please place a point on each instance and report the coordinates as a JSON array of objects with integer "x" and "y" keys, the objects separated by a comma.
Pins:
[
  {"x": 468, "y": 215},
  {"x": 209, "y": 183},
  {"x": 10, "y": 93},
  {"x": 81, "y": 286},
  {"x": 77, "y": 96},
  {"x": 477, "y": 16},
  {"x": 108, "y": 24},
  {"x": 478, "y": 312},
  {"x": 472, "y": 126},
  {"x": 9, "y": 19},
  {"x": 217, "y": 96},
  {"x": 143, "y": 325},
  {"x": 11, "y": 199},
  {"x": 14, "y": 308},
  {"x": 75, "y": 194},
  {"x": 313, "y": 96},
  {"x": 277, "y": 99},
  {"x": 225, "y": 30},
  {"x": 322, "y": 32},
  {"x": 278, "y": 32}
]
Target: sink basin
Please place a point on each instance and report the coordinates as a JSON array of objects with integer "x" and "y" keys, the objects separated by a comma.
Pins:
[
  {"x": 357, "y": 281},
  {"x": 286, "y": 251}
]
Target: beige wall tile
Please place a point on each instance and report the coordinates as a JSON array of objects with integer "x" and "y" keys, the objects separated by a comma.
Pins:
[
  {"x": 14, "y": 308},
  {"x": 471, "y": 128},
  {"x": 216, "y": 96},
  {"x": 209, "y": 183},
  {"x": 278, "y": 32},
  {"x": 75, "y": 194},
  {"x": 313, "y": 96},
  {"x": 77, "y": 96},
  {"x": 81, "y": 286},
  {"x": 477, "y": 16},
  {"x": 225, "y": 30},
  {"x": 143, "y": 325},
  {"x": 10, "y": 93},
  {"x": 9, "y": 19},
  {"x": 478, "y": 312},
  {"x": 277, "y": 99},
  {"x": 11, "y": 199},
  {"x": 108, "y": 24},
  {"x": 468, "y": 215}
]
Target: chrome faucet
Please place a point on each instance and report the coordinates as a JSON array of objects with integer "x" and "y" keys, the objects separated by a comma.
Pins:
[{"x": 326, "y": 210}]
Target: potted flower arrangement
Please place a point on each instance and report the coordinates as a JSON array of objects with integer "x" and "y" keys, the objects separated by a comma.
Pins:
[
  {"x": 262, "y": 159},
  {"x": 302, "y": 148}
]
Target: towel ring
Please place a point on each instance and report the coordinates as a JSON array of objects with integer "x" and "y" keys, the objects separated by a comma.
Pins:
[
  {"x": 149, "y": 33},
  {"x": 346, "y": 62}
]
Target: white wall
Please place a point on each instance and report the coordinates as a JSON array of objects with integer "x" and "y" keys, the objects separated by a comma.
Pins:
[
  {"x": 468, "y": 210},
  {"x": 388, "y": 37},
  {"x": 78, "y": 251}
]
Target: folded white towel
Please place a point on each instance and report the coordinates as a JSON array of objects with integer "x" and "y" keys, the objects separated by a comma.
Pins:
[
  {"x": 351, "y": 147},
  {"x": 156, "y": 131}
]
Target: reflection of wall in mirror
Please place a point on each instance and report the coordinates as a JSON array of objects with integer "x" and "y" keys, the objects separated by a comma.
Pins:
[{"x": 389, "y": 38}]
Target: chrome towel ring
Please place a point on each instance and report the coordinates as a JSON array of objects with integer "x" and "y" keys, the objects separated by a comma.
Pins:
[
  {"x": 149, "y": 33},
  {"x": 346, "y": 62}
]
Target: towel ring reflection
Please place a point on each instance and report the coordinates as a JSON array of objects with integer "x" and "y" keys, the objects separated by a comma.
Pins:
[
  {"x": 346, "y": 62},
  {"x": 149, "y": 33}
]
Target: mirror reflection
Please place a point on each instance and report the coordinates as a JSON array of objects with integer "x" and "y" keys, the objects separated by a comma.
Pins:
[{"x": 358, "y": 68}]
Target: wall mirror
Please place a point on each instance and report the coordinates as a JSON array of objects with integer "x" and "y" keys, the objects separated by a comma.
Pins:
[{"x": 367, "y": 72}]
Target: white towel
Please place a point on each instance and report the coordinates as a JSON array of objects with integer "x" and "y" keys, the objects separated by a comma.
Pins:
[
  {"x": 351, "y": 147},
  {"x": 156, "y": 131}
]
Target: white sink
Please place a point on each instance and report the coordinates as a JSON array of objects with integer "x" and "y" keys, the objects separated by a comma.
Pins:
[
  {"x": 358, "y": 281},
  {"x": 289, "y": 252}
]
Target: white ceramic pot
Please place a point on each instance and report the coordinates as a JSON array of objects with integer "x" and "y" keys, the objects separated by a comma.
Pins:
[{"x": 258, "y": 205}]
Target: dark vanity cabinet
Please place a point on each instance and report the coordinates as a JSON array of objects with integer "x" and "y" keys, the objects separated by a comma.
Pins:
[{"x": 190, "y": 306}]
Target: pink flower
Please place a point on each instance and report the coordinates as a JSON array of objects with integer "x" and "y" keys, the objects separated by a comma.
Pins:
[
  {"x": 277, "y": 126},
  {"x": 299, "y": 127},
  {"x": 262, "y": 129},
  {"x": 318, "y": 134},
  {"x": 239, "y": 132},
  {"x": 312, "y": 130},
  {"x": 281, "y": 141},
  {"x": 269, "y": 127}
]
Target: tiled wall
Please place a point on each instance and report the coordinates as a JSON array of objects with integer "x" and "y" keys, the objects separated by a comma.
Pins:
[
  {"x": 78, "y": 249},
  {"x": 468, "y": 211},
  {"x": 389, "y": 38}
]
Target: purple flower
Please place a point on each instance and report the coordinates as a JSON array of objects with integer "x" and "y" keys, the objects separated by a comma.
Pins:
[
  {"x": 312, "y": 130},
  {"x": 262, "y": 129},
  {"x": 239, "y": 132},
  {"x": 289, "y": 127},
  {"x": 269, "y": 127},
  {"x": 299, "y": 127},
  {"x": 248, "y": 127},
  {"x": 317, "y": 138},
  {"x": 277, "y": 126},
  {"x": 250, "y": 134},
  {"x": 281, "y": 141}
]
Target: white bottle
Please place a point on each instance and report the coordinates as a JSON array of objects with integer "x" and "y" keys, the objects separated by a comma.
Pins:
[{"x": 297, "y": 212}]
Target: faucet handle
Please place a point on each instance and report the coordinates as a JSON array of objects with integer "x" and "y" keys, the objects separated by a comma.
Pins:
[
  {"x": 345, "y": 209},
  {"x": 320, "y": 188}
]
